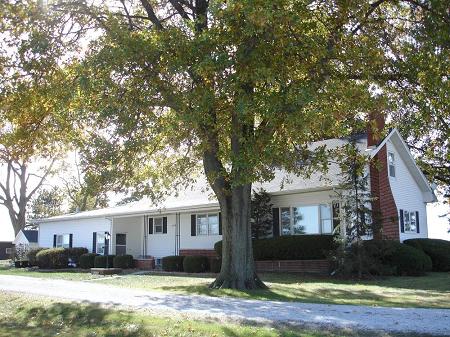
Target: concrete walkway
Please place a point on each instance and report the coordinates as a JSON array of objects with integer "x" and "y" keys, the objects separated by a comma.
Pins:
[{"x": 431, "y": 321}]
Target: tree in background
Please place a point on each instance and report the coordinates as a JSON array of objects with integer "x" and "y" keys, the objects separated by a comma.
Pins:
[
  {"x": 34, "y": 92},
  {"x": 47, "y": 203},
  {"x": 83, "y": 190},
  {"x": 237, "y": 88},
  {"x": 357, "y": 215},
  {"x": 261, "y": 214}
]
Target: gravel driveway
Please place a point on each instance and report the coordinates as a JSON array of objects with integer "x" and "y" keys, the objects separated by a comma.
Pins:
[{"x": 432, "y": 321}]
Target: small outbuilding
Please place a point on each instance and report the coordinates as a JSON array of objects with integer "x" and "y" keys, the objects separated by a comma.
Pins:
[{"x": 27, "y": 238}]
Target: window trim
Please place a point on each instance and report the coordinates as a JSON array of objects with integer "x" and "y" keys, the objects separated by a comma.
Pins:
[
  {"x": 162, "y": 225},
  {"x": 96, "y": 242},
  {"x": 407, "y": 224},
  {"x": 319, "y": 224},
  {"x": 8, "y": 251},
  {"x": 394, "y": 171},
  {"x": 61, "y": 245},
  {"x": 208, "y": 215}
]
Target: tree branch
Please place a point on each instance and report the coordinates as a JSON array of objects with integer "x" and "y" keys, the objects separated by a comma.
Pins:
[{"x": 151, "y": 14}]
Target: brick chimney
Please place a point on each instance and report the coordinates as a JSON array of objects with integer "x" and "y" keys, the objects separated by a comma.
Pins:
[{"x": 375, "y": 128}]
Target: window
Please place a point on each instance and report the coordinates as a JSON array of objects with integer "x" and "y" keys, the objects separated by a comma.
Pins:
[
  {"x": 391, "y": 163},
  {"x": 100, "y": 245},
  {"x": 311, "y": 219},
  {"x": 158, "y": 225},
  {"x": 8, "y": 251},
  {"x": 208, "y": 224},
  {"x": 410, "y": 222},
  {"x": 336, "y": 214},
  {"x": 121, "y": 244},
  {"x": 63, "y": 241}
]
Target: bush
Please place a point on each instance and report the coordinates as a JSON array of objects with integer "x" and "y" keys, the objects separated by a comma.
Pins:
[
  {"x": 54, "y": 258},
  {"x": 87, "y": 260},
  {"x": 123, "y": 261},
  {"x": 295, "y": 247},
  {"x": 195, "y": 264},
  {"x": 215, "y": 265},
  {"x": 100, "y": 261},
  {"x": 74, "y": 254},
  {"x": 387, "y": 257},
  {"x": 31, "y": 255},
  {"x": 411, "y": 261},
  {"x": 437, "y": 250},
  {"x": 172, "y": 263}
]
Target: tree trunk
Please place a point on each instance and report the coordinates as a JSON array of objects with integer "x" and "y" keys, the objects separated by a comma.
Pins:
[{"x": 238, "y": 268}]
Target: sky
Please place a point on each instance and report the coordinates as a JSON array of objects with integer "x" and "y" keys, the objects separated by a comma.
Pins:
[{"x": 437, "y": 226}]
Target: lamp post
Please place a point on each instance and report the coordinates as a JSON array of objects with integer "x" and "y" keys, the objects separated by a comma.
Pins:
[{"x": 106, "y": 250}]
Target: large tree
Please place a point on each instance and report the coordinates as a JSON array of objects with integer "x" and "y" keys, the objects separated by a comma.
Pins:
[
  {"x": 33, "y": 88},
  {"x": 237, "y": 88}
]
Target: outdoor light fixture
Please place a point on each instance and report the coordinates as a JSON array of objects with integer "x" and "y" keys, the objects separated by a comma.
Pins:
[{"x": 106, "y": 250}]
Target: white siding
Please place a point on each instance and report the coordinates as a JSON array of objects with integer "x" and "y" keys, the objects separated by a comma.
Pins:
[
  {"x": 81, "y": 229},
  {"x": 133, "y": 227},
  {"x": 307, "y": 198},
  {"x": 199, "y": 241},
  {"x": 407, "y": 194},
  {"x": 160, "y": 245}
]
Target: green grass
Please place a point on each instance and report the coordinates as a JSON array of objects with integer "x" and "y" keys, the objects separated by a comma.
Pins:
[
  {"x": 431, "y": 291},
  {"x": 33, "y": 316}
]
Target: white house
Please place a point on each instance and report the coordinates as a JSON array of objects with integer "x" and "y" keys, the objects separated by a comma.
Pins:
[
  {"x": 190, "y": 224},
  {"x": 27, "y": 238}
]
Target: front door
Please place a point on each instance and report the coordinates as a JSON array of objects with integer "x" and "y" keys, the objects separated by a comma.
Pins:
[{"x": 121, "y": 244}]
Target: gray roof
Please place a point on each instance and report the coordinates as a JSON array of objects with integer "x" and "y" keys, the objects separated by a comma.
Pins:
[{"x": 31, "y": 235}]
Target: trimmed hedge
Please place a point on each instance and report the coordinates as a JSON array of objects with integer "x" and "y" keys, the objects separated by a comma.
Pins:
[
  {"x": 215, "y": 265},
  {"x": 31, "y": 256},
  {"x": 87, "y": 260},
  {"x": 195, "y": 264},
  {"x": 294, "y": 247},
  {"x": 172, "y": 263},
  {"x": 123, "y": 261},
  {"x": 75, "y": 253},
  {"x": 54, "y": 258},
  {"x": 437, "y": 250},
  {"x": 100, "y": 261},
  {"x": 392, "y": 257}
]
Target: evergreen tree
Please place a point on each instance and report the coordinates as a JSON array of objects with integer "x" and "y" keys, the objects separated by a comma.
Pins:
[{"x": 261, "y": 214}]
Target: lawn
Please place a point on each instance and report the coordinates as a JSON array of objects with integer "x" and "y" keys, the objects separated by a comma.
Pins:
[
  {"x": 431, "y": 291},
  {"x": 26, "y": 316}
]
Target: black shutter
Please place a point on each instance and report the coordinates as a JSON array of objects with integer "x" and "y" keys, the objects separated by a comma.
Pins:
[
  {"x": 220, "y": 223},
  {"x": 165, "y": 225},
  {"x": 276, "y": 222},
  {"x": 70, "y": 240},
  {"x": 94, "y": 242},
  {"x": 150, "y": 225},
  {"x": 402, "y": 222},
  {"x": 54, "y": 240},
  {"x": 193, "y": 225},
  {"x": 417, "y": 222}
]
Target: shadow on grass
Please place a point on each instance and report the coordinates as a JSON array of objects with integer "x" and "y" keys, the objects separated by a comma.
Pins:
[{"x": 88, "y": 320}]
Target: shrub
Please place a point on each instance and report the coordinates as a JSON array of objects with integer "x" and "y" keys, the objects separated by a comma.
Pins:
[
  {"x": 74, "y": 254},
  {"x": 100, "y": 261},
  {"x": 392, "y": 257},
  {"x": 31, "y": 255},
  {"x": 172, "y": 263},
  {"x": 123, "y": 261},
  {"x": 215, "y": 264},
  {"x": 87, "y": 260},
  {"x": 411, "y": 261},
  {"x": 437, "y": 250},
  {"x": 295, "y": 247},
  {"x": 195, "y": 264},
  {"x": 54, "y": 258}
]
